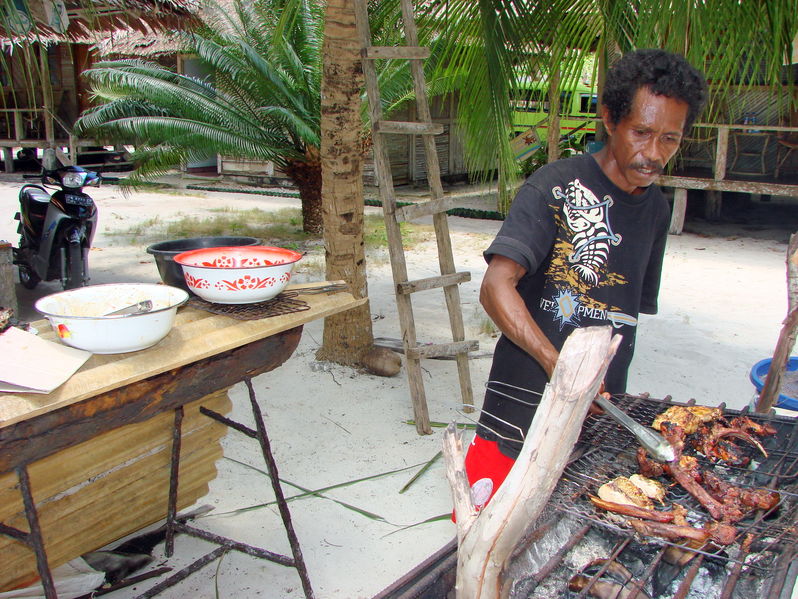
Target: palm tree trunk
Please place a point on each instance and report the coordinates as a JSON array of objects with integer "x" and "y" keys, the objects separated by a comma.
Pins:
[
  {"x": 347, "y": 335},
  {"x": 306, "y": 175}
]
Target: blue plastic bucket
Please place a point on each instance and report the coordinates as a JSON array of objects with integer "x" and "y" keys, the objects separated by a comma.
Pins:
[{"x": 760, "y": 372}]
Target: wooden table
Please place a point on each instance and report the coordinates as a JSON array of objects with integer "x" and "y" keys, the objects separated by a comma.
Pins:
[{"x": 50, "y": 445}]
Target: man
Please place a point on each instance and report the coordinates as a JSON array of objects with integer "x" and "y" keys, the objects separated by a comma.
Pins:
[{"x": 582, "y": 245}]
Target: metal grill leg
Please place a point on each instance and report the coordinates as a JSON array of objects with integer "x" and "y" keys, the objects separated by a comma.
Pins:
[
  {"x": 35, "y": 536},
  {"x": 174, "y": 471},
  {"x": 265, "y": 446}
]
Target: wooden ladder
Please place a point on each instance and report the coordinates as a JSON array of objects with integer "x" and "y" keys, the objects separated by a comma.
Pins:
[{"x": 449, "y": 280}]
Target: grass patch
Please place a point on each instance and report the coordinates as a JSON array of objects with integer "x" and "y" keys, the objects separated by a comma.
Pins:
[{"x": 281, "y": 227}]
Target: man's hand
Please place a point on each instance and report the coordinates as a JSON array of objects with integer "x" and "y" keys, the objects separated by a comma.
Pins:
[{"x": 594, "y": 409}]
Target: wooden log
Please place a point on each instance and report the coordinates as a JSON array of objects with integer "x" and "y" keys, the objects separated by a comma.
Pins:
[
  {"x": 40, "y": 436},
  {"x": 787, "y": 336},
  {"x": 488, "y": 540},
  {"x": 113, "y": 504}
]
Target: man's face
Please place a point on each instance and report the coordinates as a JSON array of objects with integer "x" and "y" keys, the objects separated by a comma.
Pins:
[{"x": 643, "y": 141}]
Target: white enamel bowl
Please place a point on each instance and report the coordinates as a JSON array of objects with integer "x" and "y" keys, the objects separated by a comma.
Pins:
[
  {"x": 238, "y": 275},
  {"x": 77, "y": 316}
]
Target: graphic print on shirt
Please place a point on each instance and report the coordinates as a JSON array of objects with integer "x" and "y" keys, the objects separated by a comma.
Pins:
[
  {"x": 588, "y": 220},
  {"x": 579, "y": 261}
]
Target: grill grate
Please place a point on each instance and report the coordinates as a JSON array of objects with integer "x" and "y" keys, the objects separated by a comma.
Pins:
[
  {"x": 285, "y": 303},
  {"x": 606, "y": 450}
]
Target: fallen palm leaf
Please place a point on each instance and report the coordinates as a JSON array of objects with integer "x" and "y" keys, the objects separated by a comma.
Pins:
[
  {"x": 318, "y": 492},
  {"x": 440, "y": 518},
  {"x": 420, "y": 472}
]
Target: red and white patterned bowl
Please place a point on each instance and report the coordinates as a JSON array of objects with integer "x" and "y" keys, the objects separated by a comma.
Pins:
[{"x": 237, "y": 275}]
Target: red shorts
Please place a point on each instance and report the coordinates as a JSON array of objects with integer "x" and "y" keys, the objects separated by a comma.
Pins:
[{"x": 486, "y": 468}]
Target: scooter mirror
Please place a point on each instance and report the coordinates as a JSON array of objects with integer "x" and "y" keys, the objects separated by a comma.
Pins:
[{"x": 49, "y": 160}]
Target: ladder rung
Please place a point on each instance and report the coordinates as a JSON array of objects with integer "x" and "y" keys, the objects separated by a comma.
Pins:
[
  {"x": 408, "y": 127},
  {"x": 406, "y": 52},
  {"x": 443, "y": 349},
  {"x": 426, "y": 208},
  {"x": 433, "y": 282}
]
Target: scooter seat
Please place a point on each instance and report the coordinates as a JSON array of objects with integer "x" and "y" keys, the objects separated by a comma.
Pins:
[{"x": 37, "y": 194}]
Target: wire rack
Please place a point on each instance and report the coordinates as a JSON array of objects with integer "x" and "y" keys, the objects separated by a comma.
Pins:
[
  {"x": 605, "y": 450},
  {"x": 285, "y": 303}
]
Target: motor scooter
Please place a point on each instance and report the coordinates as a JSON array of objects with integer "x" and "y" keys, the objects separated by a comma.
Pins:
[{"x": 56, "y": 229}]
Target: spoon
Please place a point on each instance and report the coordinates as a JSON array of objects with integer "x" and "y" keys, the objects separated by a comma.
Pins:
[{"x": 137, "y": 308}]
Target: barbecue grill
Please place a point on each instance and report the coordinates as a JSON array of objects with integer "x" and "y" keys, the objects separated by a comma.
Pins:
[{"x": 580, "y": 539}]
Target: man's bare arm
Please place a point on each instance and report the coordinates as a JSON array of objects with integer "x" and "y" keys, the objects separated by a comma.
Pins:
[{"x": 501, "y": 300}]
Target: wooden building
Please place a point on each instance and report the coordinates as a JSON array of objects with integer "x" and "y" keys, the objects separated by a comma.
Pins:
[{"x": 45, "y": 48}]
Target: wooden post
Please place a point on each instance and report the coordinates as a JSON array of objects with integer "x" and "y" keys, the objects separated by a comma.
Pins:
[
  {"x": 487, "y": 539},
  {"x": 8, "y": 159},
  {"x": 679, "y": 209},
  {"x": 720, "y": 153},
  {"x": 8, "y": 296},
  {"x": 789, "y": 332},
  {"x": 713, "y": 204}
]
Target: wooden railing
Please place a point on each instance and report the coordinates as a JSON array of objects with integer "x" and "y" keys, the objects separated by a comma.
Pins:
[{"x": 22, "y": 117}]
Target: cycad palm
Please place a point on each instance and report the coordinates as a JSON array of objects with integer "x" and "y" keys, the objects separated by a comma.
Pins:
[{"x": 263, "y": 102}]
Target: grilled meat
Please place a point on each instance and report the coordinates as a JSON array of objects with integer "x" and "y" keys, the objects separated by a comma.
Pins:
[
  {"x": 747, "y": 425},
  {"x": 687, "y": 476},
  {"x": 627, "y": 509},
  {"x": 652, "y": 489},
  {"x": 688, "y": 417},
  {"x": 721, "y": 533},
  {"x": 759, "y": 499},
  {"x": 647, "y": 466},
  {"x": 714, "y": 444},
  {"x": 621, "y": 490}
]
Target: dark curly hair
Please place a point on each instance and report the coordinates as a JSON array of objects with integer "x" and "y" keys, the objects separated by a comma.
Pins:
[{"x": 665, "y": 74}]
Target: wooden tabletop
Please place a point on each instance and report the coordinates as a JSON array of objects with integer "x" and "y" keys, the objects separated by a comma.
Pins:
[{"x": 197, "y": 334}]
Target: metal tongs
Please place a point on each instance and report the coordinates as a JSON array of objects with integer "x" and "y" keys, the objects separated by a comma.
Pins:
[{"x": 654, "y": 443}]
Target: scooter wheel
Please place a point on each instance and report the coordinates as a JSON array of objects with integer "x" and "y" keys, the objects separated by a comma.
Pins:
[
  {"x": 75, "y": 267},
  {"x": 28, "y": 278}
]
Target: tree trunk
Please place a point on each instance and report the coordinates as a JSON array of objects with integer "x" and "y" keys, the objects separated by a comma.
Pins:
[
  {"x": 347, "y": 335},
  {"x": 306, "y": 175}
]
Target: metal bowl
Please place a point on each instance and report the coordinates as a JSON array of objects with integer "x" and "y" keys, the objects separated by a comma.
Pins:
[
  {"x": 164, "y": 253},
  {"x": 79, "y": 316},
  {"x": 238, "y": 275}
]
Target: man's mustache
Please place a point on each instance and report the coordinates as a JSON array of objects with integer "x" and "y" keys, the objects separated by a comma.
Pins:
[{"x": 649, "y": 165}]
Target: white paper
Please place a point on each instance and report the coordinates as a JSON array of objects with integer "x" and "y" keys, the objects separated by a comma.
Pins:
[{"x": 29, "y": 364}]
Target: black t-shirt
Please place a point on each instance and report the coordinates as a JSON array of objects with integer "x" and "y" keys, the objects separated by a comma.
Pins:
[{"x": 593, "y": 255}]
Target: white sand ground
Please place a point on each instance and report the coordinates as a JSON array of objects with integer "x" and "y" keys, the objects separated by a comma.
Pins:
[{"x": 722, "y": 302}]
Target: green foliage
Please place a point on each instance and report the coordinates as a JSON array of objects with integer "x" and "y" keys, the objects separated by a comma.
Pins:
[
  {"x": 480, "y": 49},
  {"x": 261, "y": 102}
]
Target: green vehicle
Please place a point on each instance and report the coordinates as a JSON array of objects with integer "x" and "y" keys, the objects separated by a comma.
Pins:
[{"x": 578, "y": 104}]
